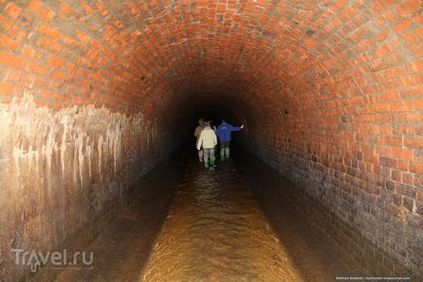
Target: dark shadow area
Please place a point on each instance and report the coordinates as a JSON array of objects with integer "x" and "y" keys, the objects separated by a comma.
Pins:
[
  {"x": 321, "y": 238},
  {"x": 121, "y": 251},
  {"x": 315, "y": 253}
]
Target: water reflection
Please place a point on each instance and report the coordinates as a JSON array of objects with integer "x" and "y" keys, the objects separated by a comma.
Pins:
[{"x": 215, "y": 231}]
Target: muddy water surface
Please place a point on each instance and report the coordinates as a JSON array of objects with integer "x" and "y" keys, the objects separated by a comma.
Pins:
[
  {"x": 186, "y": 223},
  {"x": 216, "y": 231}
]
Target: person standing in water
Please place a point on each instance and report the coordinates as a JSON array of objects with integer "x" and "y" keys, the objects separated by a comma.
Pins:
[
  {"x": 224, "y": 131},
  {"x": 207, "y": 141},
  {"x": 197, "y": 133}
]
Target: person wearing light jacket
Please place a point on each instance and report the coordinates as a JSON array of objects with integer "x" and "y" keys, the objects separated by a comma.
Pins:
[
  {"x": 197, "y": 133},
  {"x": 207, "y": 141}
]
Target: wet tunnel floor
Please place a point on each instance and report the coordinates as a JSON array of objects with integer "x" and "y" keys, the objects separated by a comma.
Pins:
[{"x": 198, "y": 225}]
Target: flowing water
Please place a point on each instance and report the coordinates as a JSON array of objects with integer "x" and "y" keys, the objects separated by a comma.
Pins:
[
  {"x": 216, "y": 231},
  {"x": 186, "y": 223}
]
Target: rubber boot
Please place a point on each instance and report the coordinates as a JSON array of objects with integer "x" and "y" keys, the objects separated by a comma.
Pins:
[
  {"x": 212, "y": 164},
  {"x": 206, "y": 162},
  {"x": 222, "y": 154},
  {"x": 227, "y": 153}
]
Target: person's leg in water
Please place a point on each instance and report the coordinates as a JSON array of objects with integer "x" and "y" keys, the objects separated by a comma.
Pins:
[
  {"x": 223, "y": 148},
  {"x": 222, "y": 151},
  {"x": 212, "y": 159},
  {"x": 209, "y": 158},
  {"x": 200, "y": 155},
  {"x": 215, "y": 150},
  {"x": 206, "y": 158},
  {"x": 228, "y": 151}
]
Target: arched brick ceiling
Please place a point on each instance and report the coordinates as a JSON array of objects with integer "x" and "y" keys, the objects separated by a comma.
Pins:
[
  {"x": 273, "y": 54},
  {"x": 331, "y": 91}
]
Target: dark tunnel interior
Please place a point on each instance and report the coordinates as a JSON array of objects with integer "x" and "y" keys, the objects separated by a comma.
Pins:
[{"x": 99, "y": 100}]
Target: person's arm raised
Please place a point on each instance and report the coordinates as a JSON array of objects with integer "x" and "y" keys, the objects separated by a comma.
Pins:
[{"x": 235, "y": 128}]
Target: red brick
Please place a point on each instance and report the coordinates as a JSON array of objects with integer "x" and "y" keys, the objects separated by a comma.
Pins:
[
  {"x": 58, "y": 75},
  {"x": 9, "y": 43},
  {"x": 417, "y": 167},
  {"x": 48, "y": 31},
  {"x": 12, "y": 10},
  {"x": 6, "y": 89},
  {"x": 396, "y": 175},
  {"x": 5, "y": 23},
  {"x": 37, "y": 69},
  {"x": 39, "y": 9},
  {"x": 407, "y": 178},
  {"x": 408, "y": 203},
  {"x": 408, "y": 8},
  {"x": 414, "y": 142},
  {"x": 65, "y": 8},
  {"x": 10, "y": 60},
  {"x": 418, "y": 104},
  {"x": 55, "y": 61}
]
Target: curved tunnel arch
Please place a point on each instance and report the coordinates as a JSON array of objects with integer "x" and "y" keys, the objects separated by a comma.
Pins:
[{"x": 331, "y": 90}]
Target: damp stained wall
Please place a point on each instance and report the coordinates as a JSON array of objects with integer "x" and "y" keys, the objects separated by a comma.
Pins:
[{"x": 60, "y": 171}]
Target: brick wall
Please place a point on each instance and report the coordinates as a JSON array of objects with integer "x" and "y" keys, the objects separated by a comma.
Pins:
[
  {"x": 348, "y": 131},
  {"x": 331, "y": 91},
  {"x": 65, "y": 172},
  {"x": 78, "y": 122}
]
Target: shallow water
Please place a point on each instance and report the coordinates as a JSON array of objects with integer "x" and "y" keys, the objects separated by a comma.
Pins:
[
  {"x": 216, "y": 231},
  {"x": 186, "y": 223}
]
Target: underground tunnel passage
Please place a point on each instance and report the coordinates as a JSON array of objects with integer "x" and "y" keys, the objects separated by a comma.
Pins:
[{"x": 98, "y": 104}]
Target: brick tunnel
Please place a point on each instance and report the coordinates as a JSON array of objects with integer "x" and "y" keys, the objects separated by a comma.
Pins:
[{"x": 98, "y": 98}]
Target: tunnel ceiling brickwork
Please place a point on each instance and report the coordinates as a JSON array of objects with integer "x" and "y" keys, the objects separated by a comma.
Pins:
[
  {"x": 138, "y": 54},
  {"x": 331, "y": 90}
]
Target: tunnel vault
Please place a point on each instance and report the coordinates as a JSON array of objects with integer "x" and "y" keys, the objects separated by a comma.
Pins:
[{"x": 331, "y": 91}]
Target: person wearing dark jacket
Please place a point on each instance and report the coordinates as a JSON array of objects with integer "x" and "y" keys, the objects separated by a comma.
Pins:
[{"x": 223, "y": 132}]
